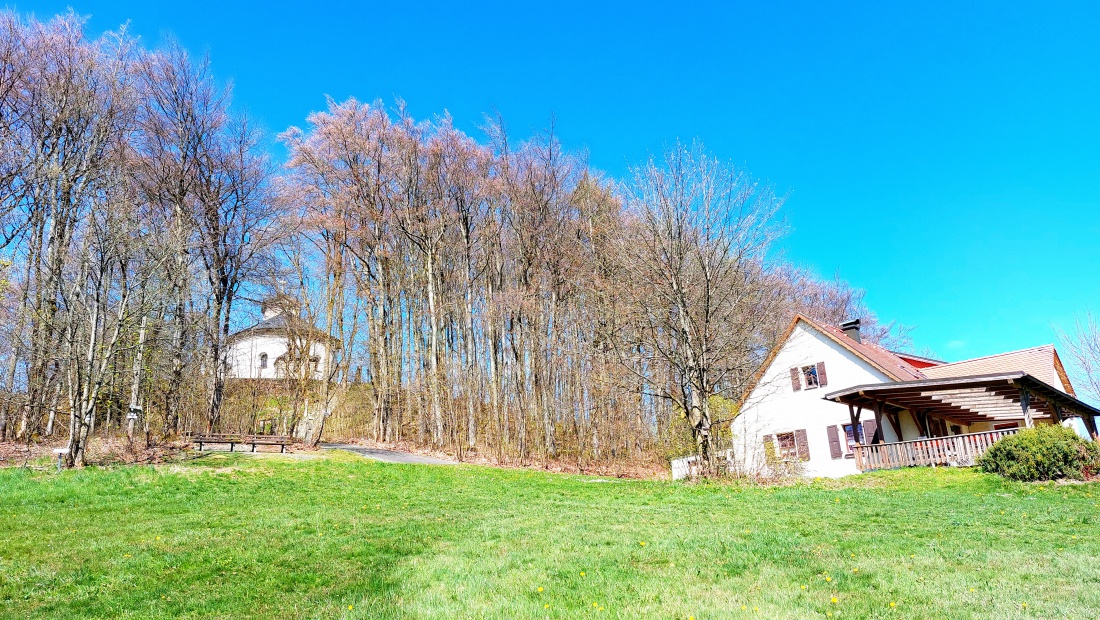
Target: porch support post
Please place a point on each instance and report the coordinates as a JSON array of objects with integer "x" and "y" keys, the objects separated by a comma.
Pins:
[
  {"x": 854, "y": 417},
  {"x": 925, "y": 425},
  {"x": 1025, "y": 405},
  {"x": 1057, "y": 411},
  {"x": 895, "y": 421},
  {"x": 1090, "y": 425},
  {"x": 878, "y": 422}
]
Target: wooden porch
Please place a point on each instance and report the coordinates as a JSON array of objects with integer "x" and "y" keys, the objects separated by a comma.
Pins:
[
  {"x": 955, "y": 450},
  {"x": 991, "y": 400}
]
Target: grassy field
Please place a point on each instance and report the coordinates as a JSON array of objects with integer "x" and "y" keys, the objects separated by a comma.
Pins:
[{"x": 340, "y": 537}]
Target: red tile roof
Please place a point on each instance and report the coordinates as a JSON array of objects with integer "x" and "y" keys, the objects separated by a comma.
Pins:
[{"x": 890, "y": 364}]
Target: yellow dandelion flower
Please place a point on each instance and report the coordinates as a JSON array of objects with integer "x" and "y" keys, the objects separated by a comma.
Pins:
[
  {"x": 582, "y": 573},
  {"x": 540, "y": 588},
  {"x": 158, "y": 537},
  {"x": 641, "y": 543},
  {"x": 855, "y": 570},
  {"x": 546, "y": 606},
  {"x": 971, "y": 589},
  {"x": 1024, "y": 605},
  {"x": 834, "y": 599},
  {"x": 595, "y": 604},
  {"x": 743, "y": 608},
  {"x": 828, "y": 579},
  {"x": 893, "y": 604},
  {"x": 756, "y": 609},
  {"x": 350, "y": 607},
  {"x": 803, "y": 586}
]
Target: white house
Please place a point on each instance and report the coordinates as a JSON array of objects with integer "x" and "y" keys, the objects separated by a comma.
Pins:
[
  {"x": 837, "y": 405},
  {"x": 267, "y": 349}
]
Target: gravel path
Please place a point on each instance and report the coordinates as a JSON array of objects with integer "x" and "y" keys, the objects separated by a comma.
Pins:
[{"x": 388, "y": 456}]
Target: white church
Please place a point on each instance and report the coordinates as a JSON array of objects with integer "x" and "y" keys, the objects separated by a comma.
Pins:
[{"x": 278, "y": 344}]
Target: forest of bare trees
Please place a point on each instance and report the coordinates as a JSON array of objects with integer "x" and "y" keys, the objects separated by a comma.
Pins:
[{"x": 485, "y": 295}]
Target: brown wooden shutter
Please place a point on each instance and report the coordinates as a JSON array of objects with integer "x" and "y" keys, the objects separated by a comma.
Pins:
[
  {"x": 769, "y": 448},
  {"x": 796, "y": 381},
  {"x": 822, "y": 380},
  {"x": 801, "y": 445},
  {"x": 834, "y": 442},
  {"x": 870, "y": 429}
]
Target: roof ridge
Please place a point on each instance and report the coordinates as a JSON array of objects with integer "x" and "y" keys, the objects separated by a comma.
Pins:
[{"x": 985, "y": 357}]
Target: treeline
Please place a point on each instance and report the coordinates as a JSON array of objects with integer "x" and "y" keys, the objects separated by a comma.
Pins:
[{"x": 486, "y": 295}]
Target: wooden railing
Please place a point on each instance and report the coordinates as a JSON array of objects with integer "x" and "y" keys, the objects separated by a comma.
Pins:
[{"x": 956, "y": 450}]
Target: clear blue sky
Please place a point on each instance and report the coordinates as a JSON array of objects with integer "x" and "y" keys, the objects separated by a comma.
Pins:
[{"x": 945, "y": 157}]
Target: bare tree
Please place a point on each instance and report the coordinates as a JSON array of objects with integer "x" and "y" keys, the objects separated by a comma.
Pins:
[
  {"x": 236, "y": 225},
  {"x": 692, "y": 267},
  {"x": 181, "y": 112},
  {"x": 1083, "y": 347}
]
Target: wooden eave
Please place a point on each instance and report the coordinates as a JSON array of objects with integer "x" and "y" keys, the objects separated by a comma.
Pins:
[{"x": 976, "y": 398}]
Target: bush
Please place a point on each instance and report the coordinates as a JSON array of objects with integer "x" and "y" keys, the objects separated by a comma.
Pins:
[{"x": 1045, "y": 452}]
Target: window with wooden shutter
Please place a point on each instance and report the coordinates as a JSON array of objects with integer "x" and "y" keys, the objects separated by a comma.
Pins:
[
  {"x": 834, "y": 442},
  {"x": 796, "y": 382},
  {"x": 787, "y": 447},
  {"x": 870, "y": 429},
  {"x": 802, "y": 445},
  {"x": 822, "y": 380},
  {"x": 809, "y": 376}
]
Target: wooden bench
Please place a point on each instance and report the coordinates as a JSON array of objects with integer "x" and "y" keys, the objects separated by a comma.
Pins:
[{"x": 247, "y": 440}]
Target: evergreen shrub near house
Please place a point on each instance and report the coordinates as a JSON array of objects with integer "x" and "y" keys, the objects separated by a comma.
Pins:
[{"x": 1046, "y": 452}]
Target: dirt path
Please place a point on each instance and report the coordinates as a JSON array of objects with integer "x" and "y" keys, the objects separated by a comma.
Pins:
[{"x": 388, "y": 456}]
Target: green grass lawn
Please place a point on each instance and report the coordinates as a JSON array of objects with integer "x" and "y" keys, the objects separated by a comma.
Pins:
[{"x": 341, "y": 537}]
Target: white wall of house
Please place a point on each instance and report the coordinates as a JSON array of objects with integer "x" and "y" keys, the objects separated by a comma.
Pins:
[
  {"x": 246, "y": 356},
  {"x": 774, "y": 407}
]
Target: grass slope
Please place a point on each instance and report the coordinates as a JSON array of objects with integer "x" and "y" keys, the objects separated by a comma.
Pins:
[{"x": 341, "y": 537}]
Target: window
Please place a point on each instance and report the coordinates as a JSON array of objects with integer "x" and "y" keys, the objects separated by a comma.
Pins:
[
  {"x": 851, "y": 436},
  {"x": 788, "y": 450},
  {"x": 263, "y": 360},
  {"x": 809, "y": 376}
]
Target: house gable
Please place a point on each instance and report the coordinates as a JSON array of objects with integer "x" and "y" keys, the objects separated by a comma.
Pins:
[
  {"x": 773, "y": 408},
  {"x": 804, "y": 346}
]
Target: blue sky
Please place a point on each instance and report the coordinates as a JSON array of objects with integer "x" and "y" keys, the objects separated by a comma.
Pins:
[{"x": 946, "y": 157}]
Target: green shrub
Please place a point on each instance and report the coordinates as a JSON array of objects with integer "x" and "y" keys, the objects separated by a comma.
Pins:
[{"x": 1045, "y": 452}]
